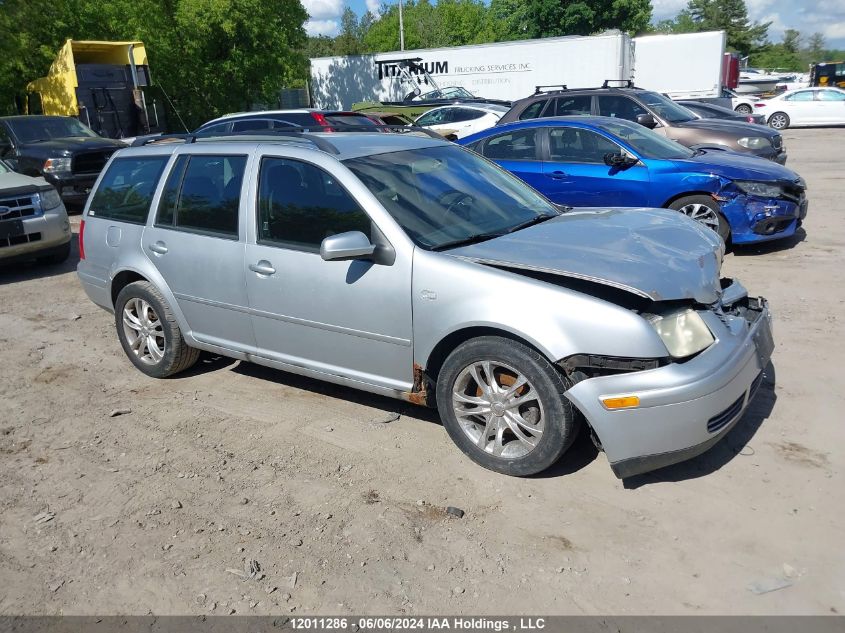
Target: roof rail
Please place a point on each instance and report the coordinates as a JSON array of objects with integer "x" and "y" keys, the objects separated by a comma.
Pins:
[
  {"x": 560, "y": 88},
  {"x": 163, "y": 138},
  {"x": 626, "y": 83},
  {"x": 321, "y": 141}
]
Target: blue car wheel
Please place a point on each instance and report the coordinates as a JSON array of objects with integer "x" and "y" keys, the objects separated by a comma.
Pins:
[{"x": 705, "y": 210}]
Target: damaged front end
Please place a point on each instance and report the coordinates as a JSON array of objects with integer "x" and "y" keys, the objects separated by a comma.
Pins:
[{"x": 761, "y": 211}]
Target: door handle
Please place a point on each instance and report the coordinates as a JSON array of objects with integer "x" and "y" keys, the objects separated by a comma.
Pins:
[
  {"x": 262, "y": 268},
  {"x": 158, "y": 247},
  {"x": 558, "y": 175}
]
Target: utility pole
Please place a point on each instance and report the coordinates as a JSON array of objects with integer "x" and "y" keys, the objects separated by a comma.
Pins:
[{"x": 401, "y": 29}]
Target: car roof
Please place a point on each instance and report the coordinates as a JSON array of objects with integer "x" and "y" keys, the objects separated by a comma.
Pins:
[
  {"x": 21, "y": 117},
  {"x": 340, "y": 145},
  {"x": 257, "y": 114},
  {"x": 486, "y": 107},
  {"x": 575, "y": 120}
]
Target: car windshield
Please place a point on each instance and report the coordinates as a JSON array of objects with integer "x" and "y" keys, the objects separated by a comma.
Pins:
[
  {"x": 3, "y": 168},
  {"x": 448, "y": 196},
  {"x": 452, "y": 92},
  {"x": 646, "y": 143},
  {"x": 36, "y": 128},
  {"x": 665, "y": 108}
]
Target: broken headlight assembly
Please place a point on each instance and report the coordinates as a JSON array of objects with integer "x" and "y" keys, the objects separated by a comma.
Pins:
[
  {"x": 682, "y": 331},
  {"x": 762, "y": 189}
]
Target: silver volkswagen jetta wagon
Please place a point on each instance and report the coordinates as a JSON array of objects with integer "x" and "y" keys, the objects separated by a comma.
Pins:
[{"x": 409, "y": 267}]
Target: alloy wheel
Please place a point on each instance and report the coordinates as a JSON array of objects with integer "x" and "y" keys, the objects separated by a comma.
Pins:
[
  {"x": 703, "y": 214},
  {"x": 498, "y": 409},
  {"x": 144, "y": 331},
  {"x": 778, "y": 121}
]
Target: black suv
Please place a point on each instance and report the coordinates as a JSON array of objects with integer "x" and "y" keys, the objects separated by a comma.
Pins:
[
  {"x": 68, "y": 154},
  {"x": 652, "y": 110}
]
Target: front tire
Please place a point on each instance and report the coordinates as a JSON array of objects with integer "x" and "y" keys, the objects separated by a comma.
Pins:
[
  {"x": 743, "y": 108},
  {"x": 705, "y": 211},
  {"x": 502, "y": 403},
  {"x": 148, "y": 332},
  {"x": 779, "y": 121}
]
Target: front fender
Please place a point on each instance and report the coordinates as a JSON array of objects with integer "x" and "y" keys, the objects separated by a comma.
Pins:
[{"x": 451, "y": 294}]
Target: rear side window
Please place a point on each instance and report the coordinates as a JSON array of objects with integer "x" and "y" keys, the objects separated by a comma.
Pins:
[
  {"x": 570, "y": 106},
  {"x": 339, "y": 120},
  {"x": 251, "y": 124},
  {"x": 126, "y": 190},
  {"x": 467, "y": 114},
  {"x": 576, "y": 145},
  {"x": 533, "y": 111},
  {"x": 517, "y": 145},
  {"x": 299, "y": 205},
  {"x": 203, "y": 195},
  {"x": 620, "y": 107}
]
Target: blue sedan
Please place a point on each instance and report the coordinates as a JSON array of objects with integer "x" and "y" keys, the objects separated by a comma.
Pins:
[{"x": 600, "y": 161}]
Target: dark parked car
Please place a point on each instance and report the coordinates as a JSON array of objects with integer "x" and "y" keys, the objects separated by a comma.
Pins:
[
  {"x": 68, "y": 154},
  {"x": 308, "y": 119},
  {"x": 712, "y": 111},
  {"x": 653, "y": 110}
]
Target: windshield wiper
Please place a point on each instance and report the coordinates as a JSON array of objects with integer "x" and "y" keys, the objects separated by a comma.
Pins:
[
  {"x": 531, "y": 222},
  {"x": 466, "y": 241}
]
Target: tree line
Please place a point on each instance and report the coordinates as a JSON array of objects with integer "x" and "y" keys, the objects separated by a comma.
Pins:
[
  {"x": 210, "y": 56},
  {"x": 218, "y": 56},
  {"x": 459, "y": 22}
]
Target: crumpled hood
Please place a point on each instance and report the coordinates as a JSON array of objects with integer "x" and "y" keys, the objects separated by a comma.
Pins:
[
  {"x": 737, "y": 166},
  {"x": 653, "y": 253}
]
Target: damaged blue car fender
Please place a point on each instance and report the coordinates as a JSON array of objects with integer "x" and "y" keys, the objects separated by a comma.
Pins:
[{"x": 602, "y": 161}]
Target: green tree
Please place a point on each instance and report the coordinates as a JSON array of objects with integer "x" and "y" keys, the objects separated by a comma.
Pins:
[
  {"x": 730, "y": 16},
  {"x": 546, "y": 18},
  {"x": 211, "y": 56},
  {"x": 815, "y": 48},
  {"x": 791, "y": 40}
]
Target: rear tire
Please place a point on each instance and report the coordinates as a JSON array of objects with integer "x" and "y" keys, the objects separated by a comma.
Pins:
[
  {"x": 743, "y": 108},
  {"x": 524, "y": 424},
  {"x": 705, "y": 211},
  {"x": 149, "y": 333},
  {"x": 779, "y": 121}
]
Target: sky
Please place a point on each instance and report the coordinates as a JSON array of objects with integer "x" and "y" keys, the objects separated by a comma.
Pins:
[{"x": 823, "y": 16}]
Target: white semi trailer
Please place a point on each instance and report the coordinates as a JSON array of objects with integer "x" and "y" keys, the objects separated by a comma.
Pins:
[{"x": 685, "y": 65}]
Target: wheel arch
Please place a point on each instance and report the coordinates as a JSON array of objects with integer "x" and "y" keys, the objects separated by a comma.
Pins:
[
  {"x": 128, "y": 275},
  {"x": 451, "y": 341},
  {"x": 686, "y": 194}
]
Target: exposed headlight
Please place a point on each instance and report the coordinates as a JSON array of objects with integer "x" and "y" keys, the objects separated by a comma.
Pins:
[
  {"x": 50, "y": 198},
  {"x": 763, "y": 189},
  {"x": 56, "y": 165},
  {"x": 754, "y": 142},
  {"x": 683, "y": 332}
]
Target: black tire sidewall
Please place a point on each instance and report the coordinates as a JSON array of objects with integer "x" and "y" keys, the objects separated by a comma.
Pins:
[
  {"x": 141, "y": 290},
  {"x": 724, "y": 227},
  {"x": 561, "y": 424}
]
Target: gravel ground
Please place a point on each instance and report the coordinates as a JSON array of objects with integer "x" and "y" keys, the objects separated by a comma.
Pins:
[{"x": 339, "y": 496}]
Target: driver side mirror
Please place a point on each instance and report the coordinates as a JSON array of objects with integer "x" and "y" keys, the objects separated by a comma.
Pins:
[
  {"x": 647, "y": 120},
  {"x": 619, "y": 161},
  {"x": 347, "y": 246}
]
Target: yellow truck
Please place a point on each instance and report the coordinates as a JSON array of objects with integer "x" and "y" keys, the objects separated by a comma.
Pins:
[{"x": 106, "y": 85}]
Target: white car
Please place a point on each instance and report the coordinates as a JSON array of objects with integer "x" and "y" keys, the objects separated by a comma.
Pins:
[
  {"x": 744, "y": 104},
  {"x": 459, "y": 120},
  {"x": 807, "y": 106}
]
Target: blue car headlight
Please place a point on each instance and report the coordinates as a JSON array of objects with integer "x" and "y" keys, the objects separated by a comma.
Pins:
[{"x": 762, "y": 189}]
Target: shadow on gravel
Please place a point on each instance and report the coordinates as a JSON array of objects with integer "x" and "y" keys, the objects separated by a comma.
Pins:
[
  {"x": 733, "y": 444},
  {"x": 787, "y": 243},
  {"x": 580, "y": 455},
  {"x": 29, "y": 270},
  {"x": 383, "y": 403}
]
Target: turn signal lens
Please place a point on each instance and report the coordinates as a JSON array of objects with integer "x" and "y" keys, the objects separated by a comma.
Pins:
[{"x": 623, "y": 402}]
